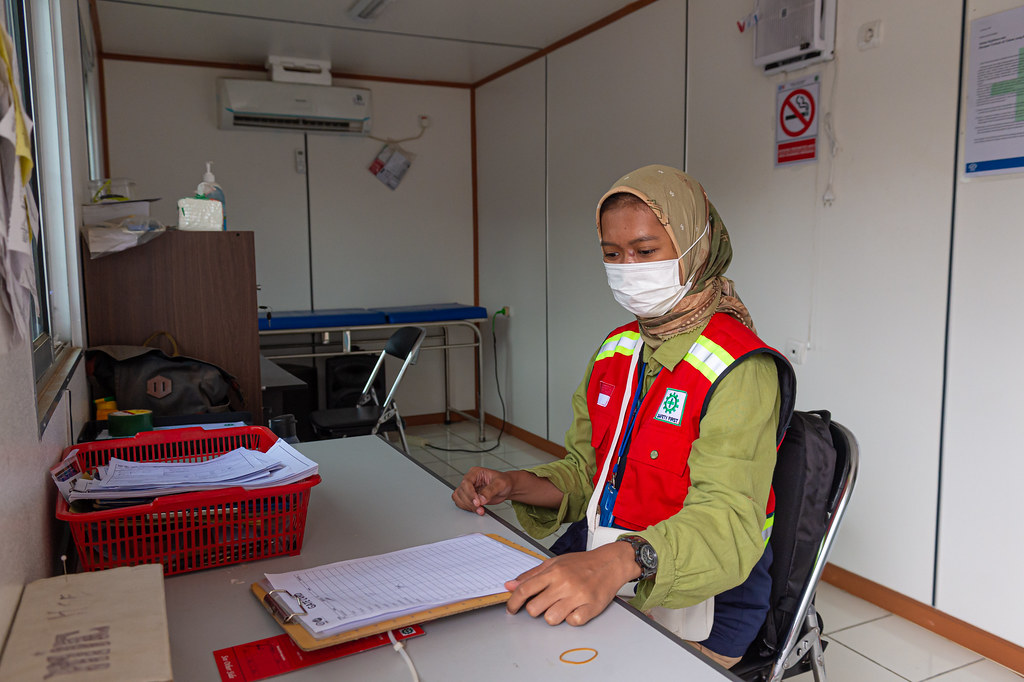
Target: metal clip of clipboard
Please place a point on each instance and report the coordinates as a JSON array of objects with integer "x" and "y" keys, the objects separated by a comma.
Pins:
[{"x": 280, "y": 610}]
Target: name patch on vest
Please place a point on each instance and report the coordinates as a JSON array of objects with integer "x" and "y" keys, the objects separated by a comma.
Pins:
[
  {"x": 671, "y": 409},
  {"x": 604, "y": 393}
]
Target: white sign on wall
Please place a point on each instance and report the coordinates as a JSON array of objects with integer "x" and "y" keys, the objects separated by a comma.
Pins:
[
  {"x": 995, "y": 95},
  {"x": 796, "y": 120}
]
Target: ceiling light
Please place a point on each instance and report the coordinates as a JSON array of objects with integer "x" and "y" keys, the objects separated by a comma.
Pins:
[{"x": 367, "y": 10}]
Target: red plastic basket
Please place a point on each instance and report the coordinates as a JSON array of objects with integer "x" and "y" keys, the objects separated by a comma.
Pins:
[{"x": 189, "y": 531}]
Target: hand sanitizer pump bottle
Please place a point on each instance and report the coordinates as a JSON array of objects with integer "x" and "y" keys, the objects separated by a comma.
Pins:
[{"x": 209, "y": 189}]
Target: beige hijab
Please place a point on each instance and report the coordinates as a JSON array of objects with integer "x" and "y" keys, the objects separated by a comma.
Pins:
[{"x": 682, "y": 207}]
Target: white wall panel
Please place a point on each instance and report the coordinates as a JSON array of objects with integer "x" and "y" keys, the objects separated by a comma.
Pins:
[
  {"x": 162, "y": 129},
  {"x": 511, "y": 175},
  {"x": 375, "y": 247},
  {"x": 980, "y": 553},
  {"x": 615, "y": 103},
  {"x": 865, "y": 279}
]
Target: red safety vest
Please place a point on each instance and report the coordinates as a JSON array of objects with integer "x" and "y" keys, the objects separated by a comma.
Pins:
[{"x": 657, "y": 476}]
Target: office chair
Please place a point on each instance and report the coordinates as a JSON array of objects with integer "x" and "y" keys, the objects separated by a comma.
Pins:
[
  {"x": 798, "y": 646},
  {"x": 367, "y": 417}
]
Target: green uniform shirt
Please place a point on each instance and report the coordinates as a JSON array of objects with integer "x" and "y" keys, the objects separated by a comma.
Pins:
[{"x": 713, "y": 542}]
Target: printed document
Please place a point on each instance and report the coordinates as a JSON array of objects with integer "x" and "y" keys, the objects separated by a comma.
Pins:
[{"x": 350, "y": 594}]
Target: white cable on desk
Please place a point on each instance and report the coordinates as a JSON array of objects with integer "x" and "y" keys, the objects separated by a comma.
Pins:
[{"x": 400, "y": 648}]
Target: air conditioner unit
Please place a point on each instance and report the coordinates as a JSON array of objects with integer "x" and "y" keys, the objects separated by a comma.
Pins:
[
  {"x": 293, "y": 106},
  {"x": 792, "y": 34}
]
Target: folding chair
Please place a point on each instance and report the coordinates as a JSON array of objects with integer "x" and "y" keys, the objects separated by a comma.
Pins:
[
  {"x": 798, "y": 647},
  {"x": 367, "y": 417}
]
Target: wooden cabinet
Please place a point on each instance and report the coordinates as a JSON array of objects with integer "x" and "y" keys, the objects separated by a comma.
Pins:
[{"x": 198, "y": 286}]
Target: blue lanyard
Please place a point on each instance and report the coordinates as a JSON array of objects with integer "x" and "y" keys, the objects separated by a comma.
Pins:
[{"x": 611, "y": 490}]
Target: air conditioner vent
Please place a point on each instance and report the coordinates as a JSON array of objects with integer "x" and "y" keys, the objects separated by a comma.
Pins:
[{"x": 298, "y": 123}]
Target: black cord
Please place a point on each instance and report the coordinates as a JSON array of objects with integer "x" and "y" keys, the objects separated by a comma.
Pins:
[{"x": 497, "y": 386}]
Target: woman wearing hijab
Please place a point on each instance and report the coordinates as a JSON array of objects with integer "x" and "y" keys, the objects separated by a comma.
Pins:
[{"x": 672, "y": 447}]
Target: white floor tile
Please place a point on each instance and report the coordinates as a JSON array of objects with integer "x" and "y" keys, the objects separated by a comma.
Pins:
[
  {"x": 421, "y": 455},
  {"x": 463, "y": 461},
  {"x": 844, "y": 665},
  {"x": 840, "y": 610},
  {"x": 907, "y": 649},
  {"x": 524, "y": 456},
  {"x": 426, "y": 430},
  {"x": 442, "y": 469},
  {"x": 982, "y": 671},
  {"x": 471, "y": 430}
]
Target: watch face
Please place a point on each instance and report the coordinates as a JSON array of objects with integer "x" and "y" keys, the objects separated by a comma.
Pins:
[{"x": 648, "y": 557}]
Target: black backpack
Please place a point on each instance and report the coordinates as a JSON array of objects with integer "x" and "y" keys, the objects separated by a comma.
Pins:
[{"x": 803, "y": 484}]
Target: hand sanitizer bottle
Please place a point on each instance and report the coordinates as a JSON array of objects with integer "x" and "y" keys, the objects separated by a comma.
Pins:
[{"x": 209, "y": 189}]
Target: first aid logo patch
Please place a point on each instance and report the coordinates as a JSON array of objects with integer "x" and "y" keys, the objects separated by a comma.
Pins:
[{"x": 671, "y": 409}]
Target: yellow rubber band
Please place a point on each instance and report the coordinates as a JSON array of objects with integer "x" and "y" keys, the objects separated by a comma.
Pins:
[{"x": 585, "y": 648}]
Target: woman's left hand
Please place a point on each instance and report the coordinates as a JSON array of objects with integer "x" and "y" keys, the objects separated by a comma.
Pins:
[{"x": 574, "y": 587}]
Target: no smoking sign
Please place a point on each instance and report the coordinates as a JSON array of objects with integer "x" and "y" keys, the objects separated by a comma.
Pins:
[{"x": 796, "y": 121}]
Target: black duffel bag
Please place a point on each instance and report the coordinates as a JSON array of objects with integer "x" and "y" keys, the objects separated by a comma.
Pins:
[{"x": 143, "y": 377}]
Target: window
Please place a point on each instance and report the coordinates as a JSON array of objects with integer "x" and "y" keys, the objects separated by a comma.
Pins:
[
  {"x": 37, "y": 28},
  {"x": 42, "y": 343}
]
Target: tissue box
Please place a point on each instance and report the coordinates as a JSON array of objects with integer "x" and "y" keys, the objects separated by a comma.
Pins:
[{"x": 200, "y": 214}]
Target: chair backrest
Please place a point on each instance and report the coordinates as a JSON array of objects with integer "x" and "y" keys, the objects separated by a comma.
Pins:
[
  {"x": 404, "y": 344},
  {"x": 345, "y": 378},
  {"x": 813, "y": 481}
]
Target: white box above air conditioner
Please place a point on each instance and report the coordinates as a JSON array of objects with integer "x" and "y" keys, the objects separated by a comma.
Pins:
[
  {"x": 293, "y": 106},
  {"x": 792, "y": 34}
]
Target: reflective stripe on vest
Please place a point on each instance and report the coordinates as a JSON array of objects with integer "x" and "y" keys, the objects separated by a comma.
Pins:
[
  {"x": 625, "y": 343},
  {"x": 708, "y": 358},
  {"x": 766, "y": 532}
]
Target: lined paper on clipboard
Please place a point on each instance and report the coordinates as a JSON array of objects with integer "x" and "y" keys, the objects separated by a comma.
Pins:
[{"x": 350, "y": 595}]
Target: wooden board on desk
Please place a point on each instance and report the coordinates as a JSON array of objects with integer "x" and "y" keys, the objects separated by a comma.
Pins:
[{"x": 307, "y": 642}]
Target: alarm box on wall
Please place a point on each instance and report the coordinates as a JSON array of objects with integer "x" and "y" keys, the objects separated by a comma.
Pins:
[{"x": 792, "y": 34}]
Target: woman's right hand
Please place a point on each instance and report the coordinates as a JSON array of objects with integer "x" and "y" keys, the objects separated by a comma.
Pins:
[{"x": 482, "y": 486}]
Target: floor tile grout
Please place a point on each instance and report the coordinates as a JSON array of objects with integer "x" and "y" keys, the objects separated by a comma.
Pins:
[
  {"x": 959, "y": 667},
  {"x": 869, "y": 659},
  {"x": 856, "y": 625}
]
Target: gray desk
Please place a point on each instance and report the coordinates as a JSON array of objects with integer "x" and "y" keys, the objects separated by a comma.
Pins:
[
  {"x": 373, "y": 500},
  {"x": 272, "y": 376}
]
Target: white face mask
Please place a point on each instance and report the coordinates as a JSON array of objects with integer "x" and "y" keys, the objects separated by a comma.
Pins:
[{"x": 649, "y": 289}]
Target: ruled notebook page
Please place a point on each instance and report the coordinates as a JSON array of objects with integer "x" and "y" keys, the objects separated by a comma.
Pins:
[{"x": 350, "y": 594}]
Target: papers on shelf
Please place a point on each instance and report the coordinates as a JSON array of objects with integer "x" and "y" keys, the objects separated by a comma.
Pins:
[
  {"x": 121, "y": 479},
  {"x": 350, "y": 594}
]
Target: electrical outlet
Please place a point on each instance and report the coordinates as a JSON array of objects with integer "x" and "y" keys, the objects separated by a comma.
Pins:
[
  {"x": 507, "y": 310},
  {"x": 869, "y": 35},
  {"x": 796, "y": 351}
]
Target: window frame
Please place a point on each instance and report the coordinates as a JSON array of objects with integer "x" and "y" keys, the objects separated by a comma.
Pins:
[{"x": 42, "y": 46}]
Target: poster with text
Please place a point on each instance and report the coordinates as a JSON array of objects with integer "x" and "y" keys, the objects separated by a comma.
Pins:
[{"x": 994, "y": 140}]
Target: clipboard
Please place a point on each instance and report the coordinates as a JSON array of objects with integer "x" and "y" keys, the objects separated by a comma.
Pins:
[{"x": 305, "y": 640}]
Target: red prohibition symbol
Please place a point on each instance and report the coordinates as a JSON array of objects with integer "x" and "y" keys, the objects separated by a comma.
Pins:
[{"x": 797, "y": 113}]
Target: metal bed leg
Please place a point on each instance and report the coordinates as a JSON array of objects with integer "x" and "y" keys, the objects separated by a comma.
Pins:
[
  {"x": 447, "y": 380},
  {"x": 481, "y": 415}
]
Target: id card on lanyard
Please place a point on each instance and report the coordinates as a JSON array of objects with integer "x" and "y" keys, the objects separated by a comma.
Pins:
[{"x": 611, "y": 486}]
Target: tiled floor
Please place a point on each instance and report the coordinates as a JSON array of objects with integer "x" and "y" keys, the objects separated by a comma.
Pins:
[{"x": 867, "y": 643}]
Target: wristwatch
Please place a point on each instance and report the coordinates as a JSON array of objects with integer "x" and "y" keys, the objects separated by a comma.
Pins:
[{"x": 644, "y": 554}]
